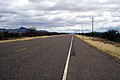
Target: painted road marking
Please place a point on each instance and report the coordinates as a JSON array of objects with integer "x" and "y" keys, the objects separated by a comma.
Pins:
[
  {"x": 67, "y": 62},
  {"x": 20, "y": 49}
]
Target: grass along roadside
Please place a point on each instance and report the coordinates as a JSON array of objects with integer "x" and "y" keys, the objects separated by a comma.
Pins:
[
  {"x": 22, "y": 39},
  {"x": 28, "y": 38},
  {"x": 110, "y": 48}
]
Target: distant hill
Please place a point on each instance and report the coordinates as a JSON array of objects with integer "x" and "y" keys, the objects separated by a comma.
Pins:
[
  {"x": 3, "y": 30},
  {"x": 23, "y": 32},
  {"x": 19, "y": 30}
]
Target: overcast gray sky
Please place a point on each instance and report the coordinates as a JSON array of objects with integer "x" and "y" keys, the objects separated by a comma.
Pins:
[{"x": 60, "y": 15}]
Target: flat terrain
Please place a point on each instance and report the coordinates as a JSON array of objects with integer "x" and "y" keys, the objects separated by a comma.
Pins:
[{"x": 45, "y": 59}]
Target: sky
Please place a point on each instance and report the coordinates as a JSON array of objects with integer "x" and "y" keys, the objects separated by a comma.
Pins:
[{"x": 60, "y": 15}]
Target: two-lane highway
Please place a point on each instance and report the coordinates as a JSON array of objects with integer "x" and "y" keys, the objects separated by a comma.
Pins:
[
  {"x": 51, "y": 59},
  {"x": 38, "y": 59}
]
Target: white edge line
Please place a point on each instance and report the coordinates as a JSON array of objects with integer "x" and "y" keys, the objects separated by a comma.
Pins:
[{"x": 67, "y": 62}]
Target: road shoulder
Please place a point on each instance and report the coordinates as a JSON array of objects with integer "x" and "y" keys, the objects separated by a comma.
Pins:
[{"x": 112, "y": 50}]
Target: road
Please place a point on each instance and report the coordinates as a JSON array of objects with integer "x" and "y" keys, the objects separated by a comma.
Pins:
[{"x": 46, "y": 59}]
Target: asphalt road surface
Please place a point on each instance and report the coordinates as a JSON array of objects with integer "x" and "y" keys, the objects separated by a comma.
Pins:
[{"x": 46, "y": 59}]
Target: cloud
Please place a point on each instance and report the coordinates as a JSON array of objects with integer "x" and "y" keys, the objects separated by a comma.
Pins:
[{"x": 59, "y": 15}]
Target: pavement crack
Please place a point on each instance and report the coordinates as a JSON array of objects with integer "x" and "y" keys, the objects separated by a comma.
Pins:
[
  {"x": 20, "y": 49},
  {"x": 73, "y": 50}
]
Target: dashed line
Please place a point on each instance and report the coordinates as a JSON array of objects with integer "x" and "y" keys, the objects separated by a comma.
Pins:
[
  {"x": 20, "y": 49},
  {"x": 67, "y": 62}
]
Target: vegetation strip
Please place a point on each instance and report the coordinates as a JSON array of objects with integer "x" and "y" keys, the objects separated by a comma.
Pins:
[
  {"x": 27, "y": 38},
  {"x": 108, "y": 48},
  {"x": 22, "y": 39}
]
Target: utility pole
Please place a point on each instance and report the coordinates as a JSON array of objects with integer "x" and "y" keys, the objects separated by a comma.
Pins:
[
  {"x": 82, "y": 31},
  {"x": 92, "y": 24}
]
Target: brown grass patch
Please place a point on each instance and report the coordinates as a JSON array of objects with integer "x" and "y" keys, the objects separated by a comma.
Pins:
[
  {"x": 27, "y": 38},
  {"x": 112, "y": 48},
  {"x": 22, "y": 39}
]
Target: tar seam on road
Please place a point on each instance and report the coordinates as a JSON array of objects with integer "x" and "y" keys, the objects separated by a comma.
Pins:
[
  {"x": 67, "y": 62},
  {"x": 20, "y": 50}
]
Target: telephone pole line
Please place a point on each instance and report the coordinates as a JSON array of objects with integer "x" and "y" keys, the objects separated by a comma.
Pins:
[{"x": 92, "y": 24}]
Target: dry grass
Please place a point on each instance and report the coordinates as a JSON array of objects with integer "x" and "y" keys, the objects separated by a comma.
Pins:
[
  {"x": 22, "y": 39},
  {"x": 107, "y": 41},
  {"x": 112, "y": 48},
  {"x": 26, "y": 38}
]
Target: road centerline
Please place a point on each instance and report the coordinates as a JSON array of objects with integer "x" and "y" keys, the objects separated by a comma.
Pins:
[{"x": 67, "y": 61}]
